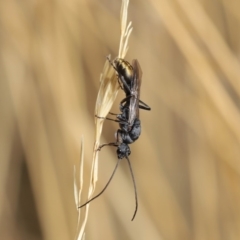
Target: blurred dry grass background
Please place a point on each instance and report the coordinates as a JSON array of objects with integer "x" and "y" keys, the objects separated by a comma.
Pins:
[{"x": 186, "y": 162}]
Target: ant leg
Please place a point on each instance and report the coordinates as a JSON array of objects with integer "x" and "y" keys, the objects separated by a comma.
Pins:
[
  {"x": 143, "y": 105},
  {"x": 120, "y": 121},
  {"x": 113, "y": 113},
  {"x": 115, "y": 120},
  {"x": 107, "y": 144},
  {"x": 125, "y": 99}
]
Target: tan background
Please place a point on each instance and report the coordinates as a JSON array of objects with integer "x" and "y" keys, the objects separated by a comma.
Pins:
[{"x": 187, "y": 161}]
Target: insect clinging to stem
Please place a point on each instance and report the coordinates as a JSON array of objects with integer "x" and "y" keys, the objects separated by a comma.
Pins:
[{"x": 129, "y": 77}]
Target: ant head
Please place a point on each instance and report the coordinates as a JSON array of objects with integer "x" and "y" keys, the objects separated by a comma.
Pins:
[{"x": 123, "y": 150}]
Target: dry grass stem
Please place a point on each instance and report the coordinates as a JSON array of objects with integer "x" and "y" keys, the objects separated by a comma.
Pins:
[
  {"x": 78, "y": 186},
  {"x": 107, "y": 94}
]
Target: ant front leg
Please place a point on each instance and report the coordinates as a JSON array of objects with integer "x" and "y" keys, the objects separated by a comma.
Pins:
[{"x": 107, "y": 144}]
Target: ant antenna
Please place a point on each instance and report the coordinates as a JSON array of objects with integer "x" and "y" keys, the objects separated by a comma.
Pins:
[
  {"x": 104, "y": 187},
  {"x": 110, "y": 179},
  {"x": 135, "y": 188}
]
